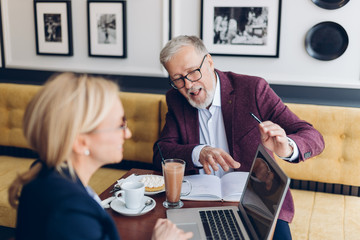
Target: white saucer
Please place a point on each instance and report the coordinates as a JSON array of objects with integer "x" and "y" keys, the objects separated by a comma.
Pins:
[{"x": 118, "y": 205}]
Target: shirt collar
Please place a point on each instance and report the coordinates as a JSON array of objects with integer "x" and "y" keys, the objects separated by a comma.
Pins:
[{"x": 217, "y": 95}]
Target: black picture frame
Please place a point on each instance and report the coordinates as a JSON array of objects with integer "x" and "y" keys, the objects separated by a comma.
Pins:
[
  {"x": 248, "y": 28},
  {"x": 107, "y": 28},
  {"x": 53, "y": 27}
]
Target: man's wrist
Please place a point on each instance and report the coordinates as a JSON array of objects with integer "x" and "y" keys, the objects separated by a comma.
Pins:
[
  {"x": 295, "y": 154},
  {"x": 196, "y": 155},
  {"x": 292, "y": 146}
]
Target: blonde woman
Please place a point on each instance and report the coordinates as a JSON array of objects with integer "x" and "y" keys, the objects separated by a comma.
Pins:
[{"x": 76, "y": 123}]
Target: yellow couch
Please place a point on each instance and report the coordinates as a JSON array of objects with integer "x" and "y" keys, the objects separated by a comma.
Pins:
[
  {"x": 325, "y": 188},
  {"x": 328, "y": 204}
]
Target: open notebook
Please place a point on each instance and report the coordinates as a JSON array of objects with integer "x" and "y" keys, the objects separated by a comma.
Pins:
[{"x": 256, "y": 215}]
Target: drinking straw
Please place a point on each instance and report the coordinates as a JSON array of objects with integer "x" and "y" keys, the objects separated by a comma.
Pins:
[{"x": 162, "y": 158}]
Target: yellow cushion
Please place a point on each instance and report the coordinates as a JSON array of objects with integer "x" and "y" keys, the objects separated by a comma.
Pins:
[
  {"x": 143, "y": 114},
  {"x": 10, "y": 167},
  {"x": 304, "y": 202},
  {"x": 352, "y": 218},
  {"x": 142, "y": 111},
  {"x": 13, "y": 100},
  {"x": 339, "y": 163},
  {"x": 104, "y": 177},
  {"x": 163, "y": 111},
  {"x": 325, "y": 216}
]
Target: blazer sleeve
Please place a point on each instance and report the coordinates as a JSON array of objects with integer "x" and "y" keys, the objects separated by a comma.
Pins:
[
  {"x": 309, "y": 141},
  {"x": 80, "y": 218},
  {"x": 177, "y": 139}
]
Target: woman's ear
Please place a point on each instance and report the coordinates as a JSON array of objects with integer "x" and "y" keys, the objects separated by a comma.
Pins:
[{"x": 80, "y": 145}]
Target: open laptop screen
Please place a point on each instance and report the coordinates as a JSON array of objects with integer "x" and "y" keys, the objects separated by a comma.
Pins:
[{"x": 264, "y": 193}]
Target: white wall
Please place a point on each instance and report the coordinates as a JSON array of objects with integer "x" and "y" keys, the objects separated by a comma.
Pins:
[
  {"x": 294, "y": 66},
  {"x": 147, "y": 31}
]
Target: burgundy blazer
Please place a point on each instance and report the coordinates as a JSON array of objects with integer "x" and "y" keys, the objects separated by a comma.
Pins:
[{"x": 240, "y": 94}]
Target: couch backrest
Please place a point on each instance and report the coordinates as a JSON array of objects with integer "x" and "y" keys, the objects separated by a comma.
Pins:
[
  {"x": 163, "y": 111},
  {"x": 13, "y": 101},
  {"x": 142, "y": 111},
  {"x": 339, "y": 163},
  {"x": 143, "y": 114},
  {"x": 340, "y": 127}
]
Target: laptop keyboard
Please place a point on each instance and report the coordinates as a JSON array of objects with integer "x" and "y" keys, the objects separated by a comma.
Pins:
[{"x": 220, "y": 224}]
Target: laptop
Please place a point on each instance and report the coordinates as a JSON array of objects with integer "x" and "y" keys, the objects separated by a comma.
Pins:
[{"x": 256, "y": 215}]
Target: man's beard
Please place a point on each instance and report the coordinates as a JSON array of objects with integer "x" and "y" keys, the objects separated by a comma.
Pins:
[{"x": 208, "y": 99}]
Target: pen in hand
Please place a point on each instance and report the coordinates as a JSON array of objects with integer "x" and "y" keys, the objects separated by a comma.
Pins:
[{"x": 257, "y": 119}]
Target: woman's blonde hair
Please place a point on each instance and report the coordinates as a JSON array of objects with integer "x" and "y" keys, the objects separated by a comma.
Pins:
[{"x": 67, "y": 105}]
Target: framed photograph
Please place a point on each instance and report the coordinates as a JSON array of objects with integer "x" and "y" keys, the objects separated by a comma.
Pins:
[
  {"x": 53, "y": 27},
  {"x": 107, "y": 28},
  {"x": 248, "y": 28}
]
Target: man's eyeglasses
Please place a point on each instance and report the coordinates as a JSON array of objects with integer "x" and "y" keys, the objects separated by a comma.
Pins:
[
  {"x": 123, "y": 127},
  {"x": 192, "y": 76}
]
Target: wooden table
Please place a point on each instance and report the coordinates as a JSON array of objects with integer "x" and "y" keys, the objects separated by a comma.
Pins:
[{"x": 140, "y": 227}]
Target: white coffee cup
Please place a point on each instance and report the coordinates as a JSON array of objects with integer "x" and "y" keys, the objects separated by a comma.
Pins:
[{"x": 132, "y": 194}]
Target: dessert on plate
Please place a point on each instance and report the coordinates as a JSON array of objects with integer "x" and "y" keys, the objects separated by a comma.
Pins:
[{"x": 153, "y": 183}]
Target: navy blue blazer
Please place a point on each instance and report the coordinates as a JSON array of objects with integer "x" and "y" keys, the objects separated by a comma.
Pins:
[{"x": 53, "y": 206}]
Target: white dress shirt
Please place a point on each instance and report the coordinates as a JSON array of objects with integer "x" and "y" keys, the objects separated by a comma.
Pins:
[
  {"x": 93, "y": 194},
  {"x": 212, "y": 130}
]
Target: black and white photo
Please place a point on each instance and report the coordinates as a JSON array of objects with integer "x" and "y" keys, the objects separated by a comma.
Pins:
[
  {"x": 240, "y": 25},
  {"x": 248, "y": 28},
  {"x": 53, "y": 27},
  {"x": 107, "y": 28}
]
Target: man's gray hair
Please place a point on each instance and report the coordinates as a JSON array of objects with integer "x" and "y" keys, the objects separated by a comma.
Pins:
[{"x": 175, "y": 44}]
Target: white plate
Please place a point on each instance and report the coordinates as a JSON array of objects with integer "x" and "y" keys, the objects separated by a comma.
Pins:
[
  {"x": 118, "y": 205},
  {"x": 153, "y": 193},
  {"x": 139, "y": 177}
]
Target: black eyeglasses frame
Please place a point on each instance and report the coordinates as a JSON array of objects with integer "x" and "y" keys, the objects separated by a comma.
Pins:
[{"x": 172, "y": 82}]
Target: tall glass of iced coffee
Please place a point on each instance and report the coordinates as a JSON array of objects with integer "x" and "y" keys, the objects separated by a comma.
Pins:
[{"x": 173, "y": 172}]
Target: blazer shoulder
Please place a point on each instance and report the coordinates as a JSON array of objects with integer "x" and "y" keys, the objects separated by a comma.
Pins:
[
  {"x": 62, "y": 187},
  {"x": 237, "y": 79},
  {"x": 241, "y": 83}
]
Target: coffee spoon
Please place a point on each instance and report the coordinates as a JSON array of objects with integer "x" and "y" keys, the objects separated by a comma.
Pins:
[{"x": 147, "y": 203}]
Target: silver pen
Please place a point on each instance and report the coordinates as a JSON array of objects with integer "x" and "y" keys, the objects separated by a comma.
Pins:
[{"x": 256, "y": 118}]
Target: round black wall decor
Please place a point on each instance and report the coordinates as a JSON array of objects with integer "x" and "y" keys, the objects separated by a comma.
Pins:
[
  {"x": 326, "y": 41},
  {"x": 330, "y": 4}
]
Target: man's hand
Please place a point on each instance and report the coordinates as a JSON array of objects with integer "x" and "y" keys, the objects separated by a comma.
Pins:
[
  {"x": 210, "y": 156},
  {"x": 274, "y": 138}
]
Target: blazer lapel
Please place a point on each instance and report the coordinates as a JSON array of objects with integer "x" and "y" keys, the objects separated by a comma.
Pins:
[
  {"x": 227, "y": 107},
  {"x": 191, "y": 119}
]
